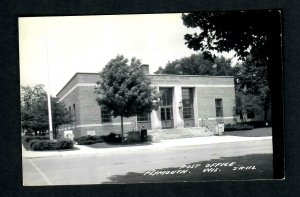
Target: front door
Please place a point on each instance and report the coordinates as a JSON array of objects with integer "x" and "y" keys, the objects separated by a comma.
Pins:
[
  {"x": 166, "y": 112},
  {"x": 166, "y": 115}
]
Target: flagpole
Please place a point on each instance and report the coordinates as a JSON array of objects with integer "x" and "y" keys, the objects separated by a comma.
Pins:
[{"x": 48, "y": 92}]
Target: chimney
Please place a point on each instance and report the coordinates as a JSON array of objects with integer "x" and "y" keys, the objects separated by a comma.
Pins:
[{"x": 145, "y": 68}]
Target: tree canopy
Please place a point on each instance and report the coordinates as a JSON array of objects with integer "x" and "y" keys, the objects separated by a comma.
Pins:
[
  {"x": 124, "y": 90},
  {"x": 34, "y": 113},
  {"x": 34, "y": 110},
  {"x": 254, "y": 96},
  {"x": 254, "y": 35},
  {"x": 197, "y": 64},
  {"x": 246, "y": 32}
]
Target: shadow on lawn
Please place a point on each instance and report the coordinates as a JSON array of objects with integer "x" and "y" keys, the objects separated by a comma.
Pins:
[
  {"x": 260, "y": 166},
  {"x": 259, "y": 132}
]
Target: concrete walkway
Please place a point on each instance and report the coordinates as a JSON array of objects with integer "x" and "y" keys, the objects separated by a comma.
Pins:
[{"x": 104, "y": 149}]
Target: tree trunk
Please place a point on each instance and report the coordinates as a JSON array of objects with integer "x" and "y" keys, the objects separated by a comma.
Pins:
[{"x": 122, "y": 129}]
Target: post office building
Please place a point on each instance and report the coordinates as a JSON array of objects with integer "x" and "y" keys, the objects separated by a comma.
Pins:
[{"x": 185, "y": 101}]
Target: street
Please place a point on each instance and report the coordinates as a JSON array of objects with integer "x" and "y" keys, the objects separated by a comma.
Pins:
[{"x": 101, "y": 168}]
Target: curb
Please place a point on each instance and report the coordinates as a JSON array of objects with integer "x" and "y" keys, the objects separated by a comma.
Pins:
[{"x": 162, "y": 145}]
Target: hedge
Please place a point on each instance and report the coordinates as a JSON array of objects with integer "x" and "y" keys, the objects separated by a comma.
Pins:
[
  {"x": 112, "y": 138},
  {"x": 133, "y": 136},
  {"x": 236, "y": 127},
  {"x": 50, "y": 145},
  {"x": 43, "y": 143},
  {"x": 27, "y": 139},
  {"x": 86, "y": 140}
]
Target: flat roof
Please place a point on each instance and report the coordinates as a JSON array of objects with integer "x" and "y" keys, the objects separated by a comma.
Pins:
[
  {"x": 212, "y": 76},
  {"x": 79, "y": 73},
  {"x": 72, "y": 79}
]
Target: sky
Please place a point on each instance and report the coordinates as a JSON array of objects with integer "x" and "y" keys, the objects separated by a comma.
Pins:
[{"x": 53, "y": 49}]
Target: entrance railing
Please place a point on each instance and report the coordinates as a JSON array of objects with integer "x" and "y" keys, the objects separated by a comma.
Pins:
[
  {"x": 209, "y": 125},
  {"x": 217, "y": 128}
]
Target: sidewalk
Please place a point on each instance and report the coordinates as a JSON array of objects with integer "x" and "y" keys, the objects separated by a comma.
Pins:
[{"x": 162, "y": 145}]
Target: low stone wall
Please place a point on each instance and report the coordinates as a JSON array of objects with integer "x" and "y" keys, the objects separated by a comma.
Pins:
[{"x": 163, "y": 134}]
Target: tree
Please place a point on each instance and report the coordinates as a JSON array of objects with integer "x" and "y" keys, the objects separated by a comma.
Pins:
[
  {"x": 60, "y": 115},
  {"x": 255, "y": 83},
  {"x": 245, "y": 32},
  {"x": 247, "y": 103},
  {"x": 196, "y": 64},
  {"x": 124, "y": 89},
  {"x": 223, "y": 67},
  {"x": 255, "y": 33},
  {"x": 34, "y": 110},
  {"x": 34, "y": 115}
]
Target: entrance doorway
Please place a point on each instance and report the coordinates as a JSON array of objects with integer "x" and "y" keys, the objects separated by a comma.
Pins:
[
  {"x": 166, "y": 115},
  {"x": 187, "y": 107},
  {"x": 166, "y": 109}
]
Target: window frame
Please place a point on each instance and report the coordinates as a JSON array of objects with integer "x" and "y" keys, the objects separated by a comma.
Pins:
[
  {"x": 143, "y": 118},
  {"x": 219, "y": 108},
  {"x": 190, "y": 107},
  {"x": 105, "y": 118}
]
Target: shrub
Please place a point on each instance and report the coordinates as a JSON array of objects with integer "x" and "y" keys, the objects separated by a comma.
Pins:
[
  {"x": 259, "y": 124},
  {"x": 28, "y": 140},
  {"x": 88, "y": 142},
  {"x": 236, "y": 127},
  {"x": 43, "y": 143},
  {"x": 31, "y": 142},
  {"x": 133, "y": 136},
  {"x": 82, "y": 138},
  {"x": 39, "y": 145},
  {"x": 85, "y": 140},
  {"x": 112, "y": 138}
]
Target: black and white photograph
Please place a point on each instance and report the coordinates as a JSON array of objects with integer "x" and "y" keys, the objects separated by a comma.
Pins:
[{"x": 148, "y": 98}]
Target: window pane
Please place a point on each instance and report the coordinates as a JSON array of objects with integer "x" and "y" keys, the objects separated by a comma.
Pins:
[
  {"x": 187, "y": 113},
  {"x": 187, "y": 103},
  {"x": 166, "y": 96},
  {"x": 143, "y": 117},
  {"x": 162, "y": 114},
  {"x": 168, "y": 114},
  {"x": 105, "y": 115},
  {"x": 219, "y": 107}
]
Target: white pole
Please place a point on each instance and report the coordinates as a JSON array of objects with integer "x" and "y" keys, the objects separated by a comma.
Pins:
[{"x": 48, "y": 92}]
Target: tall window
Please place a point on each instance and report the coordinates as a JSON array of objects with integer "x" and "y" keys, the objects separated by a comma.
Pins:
[
  {"x": 219, "y": 108},
  {"x": 74, "y": 109},
  {"x": 105, "y": 115},
  {"x": 187, "y": 103},
  {"x": 143, "y": 118},
  {"x": 166, "y": 96}
]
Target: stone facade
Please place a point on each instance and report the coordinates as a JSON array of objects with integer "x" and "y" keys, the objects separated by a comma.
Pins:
[{"x": 80, "y": 99}]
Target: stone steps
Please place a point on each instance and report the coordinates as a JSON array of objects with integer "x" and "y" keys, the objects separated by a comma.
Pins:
[{"x": 163, "y": 134}]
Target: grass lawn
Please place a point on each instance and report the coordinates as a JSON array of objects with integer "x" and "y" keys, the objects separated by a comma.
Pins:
[{"x": 256, "y": 166}]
